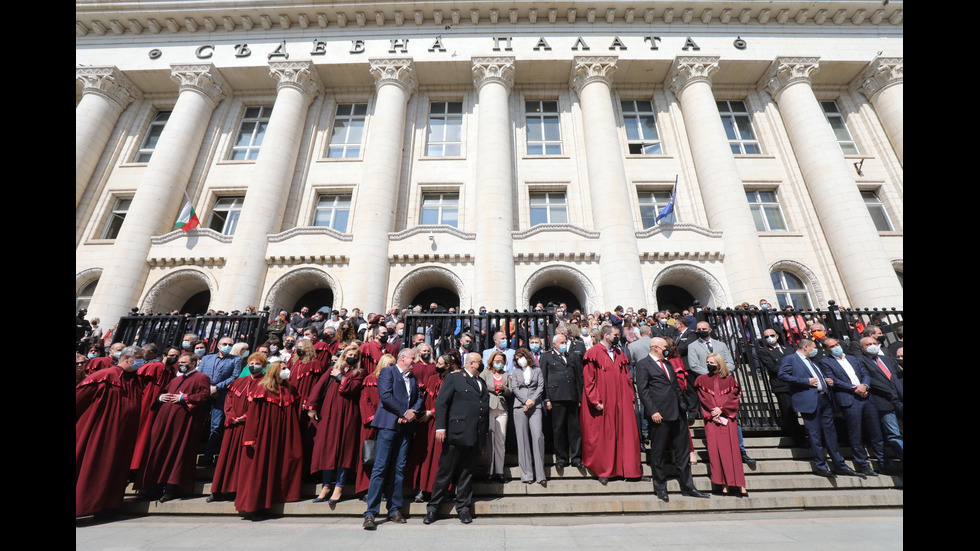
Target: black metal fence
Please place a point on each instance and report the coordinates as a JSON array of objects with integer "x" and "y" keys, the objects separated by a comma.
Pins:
[
  {"x": 742, "y": 331},
  {"x": 168, "y": 330},
  {"x": 442, "y": 331}
]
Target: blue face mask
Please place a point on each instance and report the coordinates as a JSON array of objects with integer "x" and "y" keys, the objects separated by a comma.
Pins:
[
  {"x": 200, "y": 352},
  {"x": 92, "y": 355},
  {"x": 535, "y": 347},
  {"x": 226, "y": 349},
  {"x": 185, "y": 345},
  {"x": 563, "y": 348},
  {"x": 837, "y": 350},
  {"x": 138, "y": 362}
]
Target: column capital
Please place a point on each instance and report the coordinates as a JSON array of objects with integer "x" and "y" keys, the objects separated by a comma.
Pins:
[
  {"x": 881, "y": 73},
  {"x": 397, "y": 71},
  {"x": 687, "y": 70},
  {"x": 203, "y": 78},
  {"x": 300, "y": 75},
  {"x": 785, "y": 71},
  {"x": 493, "y": 69},
  {"x": 108, "y": 82},
  {"x": 589, "y": 69}
]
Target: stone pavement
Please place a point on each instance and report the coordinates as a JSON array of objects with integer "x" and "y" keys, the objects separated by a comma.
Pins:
[{"x": 836, "y": 530}]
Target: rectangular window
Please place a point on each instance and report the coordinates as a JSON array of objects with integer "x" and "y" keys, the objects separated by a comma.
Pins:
[
  {"x": 738, "y": 126},
  {"x": 543, "y": 128},
  {"x": 224, "y": 215},
  {"x": 440, "y": 208},
  {"x": 836, "y": 120},
  {"x": 765, "y": 210},
  {"x": 116, "y": 217},
  {"x": 445, "y": 129},
  {"x": 250, "y": 133},
  {"x": 877, "y": 210},
  {"x": 348, "y": 131},
  {"x": 548, "y": 207},
  {"x": 651, "y": 203},
  {"x": 641, "y": 127},
  {"x": 332, "y": 211},
  {"x": 152, "y": 136}
]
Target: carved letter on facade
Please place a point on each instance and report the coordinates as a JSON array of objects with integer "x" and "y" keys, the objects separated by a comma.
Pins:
[
  {"x": 357, "y": 46},
  {"x": 654, "y": 42},
  {"x": 580, "y": 42},
  {"x": 204, "y": 52},
  {"x": 437, "y": 45},
  {"x": 280, "y": 51},
  {"x": 689, "y": 44},
  {"x": 542, "y": 44},
  {"x": 319, "y": 47},
  {"x": 617, "y": 44},
  {"x": 242, "y": 50}
]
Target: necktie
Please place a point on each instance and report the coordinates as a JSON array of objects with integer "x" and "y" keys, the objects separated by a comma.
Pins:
[
  {"x": 884, "y": 369},
  {"x": 710, "y": 348},
  {"x": 813, "y": 373},
  {"x": 664, "y": 367}
]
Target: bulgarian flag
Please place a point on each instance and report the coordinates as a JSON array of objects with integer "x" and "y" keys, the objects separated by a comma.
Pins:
[{"x": 188, "y": 218}]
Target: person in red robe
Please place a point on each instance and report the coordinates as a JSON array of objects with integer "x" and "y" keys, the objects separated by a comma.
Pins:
[
  {"x": 423, "y": 368},
  {"x": 334, "y": 405},
  {"x": 270, "y": 469},
  {"x": 102, "y": 362},
  {"x": 107, "y": 413},
  {"x": 154, "y": 376},
  {"x": 305, "y": 370},
  {"x": 719, "y": 393},
  {"x": 225, "y": 479},
  {"x": 373, "y": 348},
  {"x": 426, "y": 431},
  {"x": 610, "y": 439},
  {"x": 369, "y": 402},
  {"x": 175, "y": 436}
]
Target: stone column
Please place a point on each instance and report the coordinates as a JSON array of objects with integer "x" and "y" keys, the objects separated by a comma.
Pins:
[
  {"x": 272, "y": 175},
  {"x": 159, "y": 195},
  {"x": 495, "y": 286},
  {"x": 378, "y": 190},
  {"x": 721, "y": 187},
  {"x": 105, "y": 93},
  {"x": 612, "y": 211},
  {"x": 882, "y": 82},
  {"x": 859, "y": 253}
]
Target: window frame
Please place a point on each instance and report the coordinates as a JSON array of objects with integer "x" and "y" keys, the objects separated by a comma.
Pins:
[
  {"x": 155, "y": 122},
  {"x": 252, "y": 149},
  {"x": 235, "y": 207},
  {"x": 346, "y": 146},
  {"x": 334, "y": 209},
  {"x": 879, "y": 204},
  {"x": 449, "y": 119},
  {"x": 547, "y": 205},
  {"x": 839, "y": 115},
  {"x": 541, "y": 116},
  {"x": 636, "y": 114},
  {"x": 113, "y": 214},
  {"x": 790, "y": 292},
  {"x": 758, "y": 209},
  {"x": 657, "y": 206},
  {"x": 730, "y": 120},
  {"x": 440, "y": 207}
]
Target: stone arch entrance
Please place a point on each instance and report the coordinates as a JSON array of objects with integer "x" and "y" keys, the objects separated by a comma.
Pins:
[
  {"x": 686, "y": 282},
  {"x": 430, "y": 284},
  {"x": 310, "y": 287},
  {"x": 565, "y": 278},
  {"x": 188, "y": 291}
]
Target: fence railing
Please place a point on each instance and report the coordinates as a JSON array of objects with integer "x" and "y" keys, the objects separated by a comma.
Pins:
[
  {"x": 442, "y": 331},
  {"x": 168, "y": 330}
]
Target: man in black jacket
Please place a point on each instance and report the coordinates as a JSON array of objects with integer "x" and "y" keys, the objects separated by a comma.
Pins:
[{"x": 562, "y": 397}]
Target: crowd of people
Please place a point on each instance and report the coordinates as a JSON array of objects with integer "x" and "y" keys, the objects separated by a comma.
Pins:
[{"x": 355, "y": 401}]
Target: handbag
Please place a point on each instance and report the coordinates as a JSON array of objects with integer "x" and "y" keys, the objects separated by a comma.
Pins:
[{"x": 368, "y": 448}]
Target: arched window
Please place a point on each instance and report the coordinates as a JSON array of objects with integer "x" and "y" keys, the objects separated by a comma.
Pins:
[
  {"x": 84, "y": 297},
  {"x": 791, "y": 291}
]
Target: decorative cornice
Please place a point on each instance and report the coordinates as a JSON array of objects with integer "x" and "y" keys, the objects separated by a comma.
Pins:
[
  {"x": 881, "y": 73},
  {"x": 786, "y": 71},
  {"x": 310, "y": 230},
  {"x": 397, "y": 71},
  {"x": 198, "y": 232},
  {"x": 319, "y": 259},
  {"x": 415, "y": 258},
  {"x": 498, "y": 70},
  {"x": 300, "y": 75},
  {"x": 121, "y": 17},
  {"x": 589, "y": 69},
  {"x": 681, "y": 226},
  {"x": 687, "y": 70},
  {"x": 172, "y": 261},
  {"x": 537, "y": 257},
  {"x": 108, "y": 82},
  {"x": 440, "y": 229},
  {"x": 564, "y": 228},
  {"x": 203, "y": 78},
  {"x": 665, "y": 256}
]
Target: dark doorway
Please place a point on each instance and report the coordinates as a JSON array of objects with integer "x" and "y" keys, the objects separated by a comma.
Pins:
[
  {"x": 555, "y": 295},
  {"x": 314, "y": 300},
  {"x": 197, "y": 304},
  {"x": 439, "y": 295},
  {"x": 673, "y": 298}
]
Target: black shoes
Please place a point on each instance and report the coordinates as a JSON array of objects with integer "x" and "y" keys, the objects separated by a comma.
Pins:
[
  {"x": 577, "y": 463},
  {"x": 694, "y": 493},
  {"x": 867, "y": 470},
  {"x": 662, "y": 495},
  {"x": 369, "y": 523},
  {"x": 748, "y": 460},
  {"x": 825, "y": 473},
  {"x": 430, "y": 517},
  {"x": 465, "y": 518},
  {"x": 847, "y": 471},
  {"x": 603, "y": 480}
]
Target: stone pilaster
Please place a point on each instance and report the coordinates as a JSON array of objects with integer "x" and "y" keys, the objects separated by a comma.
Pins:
[{"x": 882, "y": 82}]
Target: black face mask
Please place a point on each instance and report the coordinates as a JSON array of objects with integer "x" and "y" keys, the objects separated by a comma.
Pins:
[
  {"x": 351, "y": 361},
  {"x": 465, "y": 345},
  {"x": 383, "y": 339},
  {"x": 711, "y": 368},
  {"x": 289, "y": 345},
  {"x": 615, "y": 341},
  {"x": 704, "y": 334},
  {"x": 425, "y": 356},
  {"x": 170, "y": 360}
]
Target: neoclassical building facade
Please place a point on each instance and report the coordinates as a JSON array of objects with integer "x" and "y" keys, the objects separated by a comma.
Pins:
[{"x": 488, "y": 153}]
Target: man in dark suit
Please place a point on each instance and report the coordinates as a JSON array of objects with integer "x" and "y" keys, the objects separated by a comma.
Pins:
[
  {"x": 771, "y": 354},
  {"x": 887, "y": 392},
  {"x": 395, "y": 420},
  {"x": 462, "y": 421},
  {"x": 810, "y": 394},
  {"x": 663, "y": 403},
  {"x": 563, "y": 397},
  {"x": 851, "y": 382}
]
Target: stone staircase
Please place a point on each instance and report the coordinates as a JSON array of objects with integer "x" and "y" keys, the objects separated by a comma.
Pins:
[{"x": 783, "y": 479}]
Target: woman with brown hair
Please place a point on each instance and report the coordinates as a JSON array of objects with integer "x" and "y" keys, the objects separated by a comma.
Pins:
[
  {"x": 527, "y": 382},
  {"x": 719, "y": 394},
  {"x": 334, "y": 406},
  {"x": 498, "y": 384}
]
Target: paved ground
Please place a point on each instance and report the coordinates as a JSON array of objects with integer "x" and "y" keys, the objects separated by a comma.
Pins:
[{"x": 864, "y": 530}]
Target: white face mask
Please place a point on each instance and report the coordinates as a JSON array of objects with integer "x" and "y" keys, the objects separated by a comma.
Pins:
[{"x": 522, "y": 362}]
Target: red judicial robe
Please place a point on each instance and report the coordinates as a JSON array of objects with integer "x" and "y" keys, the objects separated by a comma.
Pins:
[
  {"x": 270, "y": 468},
  {"x": 724, "y": 455},
  {"x": 175, "y": 436},
  {"x": 303, "y": 377},
  {"x": 107, "y": 410},
  {"x": 369, "y": 402},
  {"x": 154, "y": 376},
  {"x": 236, "y": 405},
  {"x": 426, "y": 434},
  {"x": 610, "y": 439},
  {"x": 97, "y": 364},
  {"x": 371, "y": 352},
  {"x": 338, "y": 438},
  {"x": 419, "y": 449}
]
